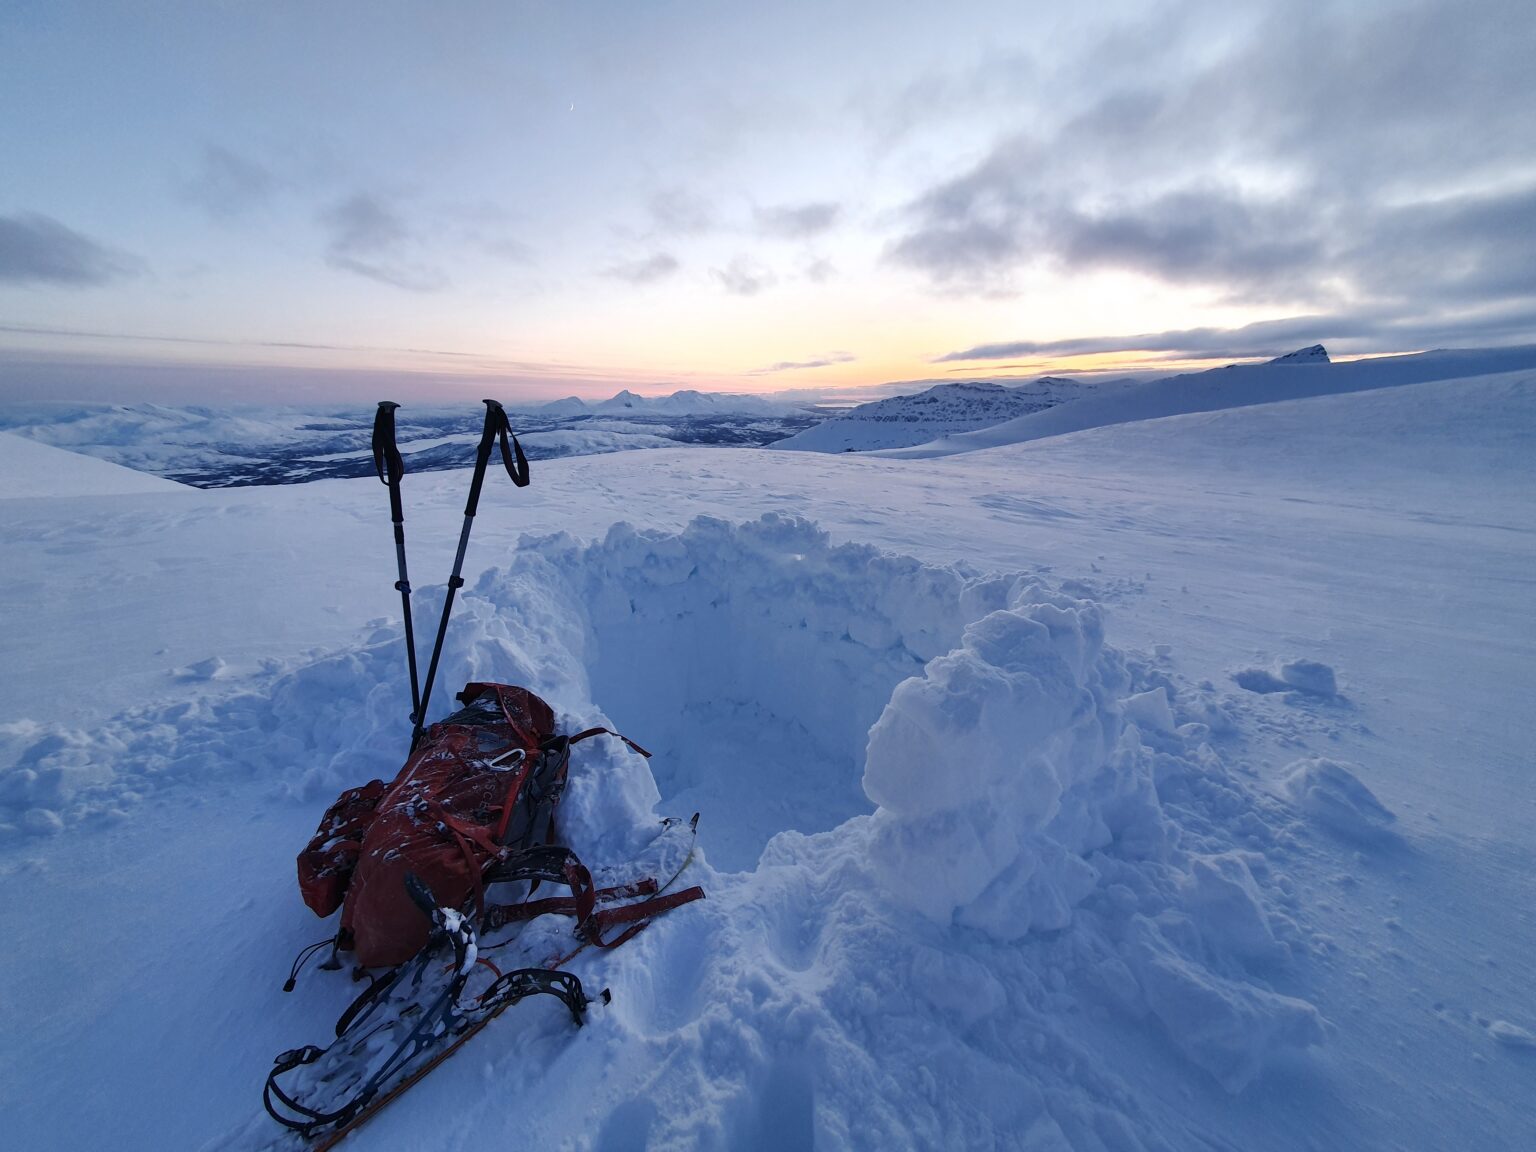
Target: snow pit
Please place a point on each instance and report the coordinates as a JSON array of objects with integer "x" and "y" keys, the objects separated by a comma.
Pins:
[{"x": 751, "y": 661}]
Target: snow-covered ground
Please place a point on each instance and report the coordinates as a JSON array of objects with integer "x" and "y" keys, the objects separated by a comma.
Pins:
[{"x": 1001, "y": 852}]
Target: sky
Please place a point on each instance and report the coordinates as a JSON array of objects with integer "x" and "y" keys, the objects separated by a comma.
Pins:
[{"x": 258, "y": 200}]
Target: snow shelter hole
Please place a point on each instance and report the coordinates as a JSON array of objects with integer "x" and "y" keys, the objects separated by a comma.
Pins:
[{"x": 752, "y": 661}]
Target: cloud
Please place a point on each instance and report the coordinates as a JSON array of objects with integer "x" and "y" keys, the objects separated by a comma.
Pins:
[
  {"x": 227, "y": 186},
  {"x": 797, "y": 222},
  {"x": 820, "y": 270},
  {"x": 679, "y": 212},
  {"x": 743, "y": 276},
  {"x": 996, "y": 83},
  {"x": 369, "y": 239},
  {"x": 656, "y": 267},
  {"x": 1362, "y": 330},
  {"x": 37, "y": 249},
  {"x": 1323, "y": 157},
  {"x": 799, "y": 365}
]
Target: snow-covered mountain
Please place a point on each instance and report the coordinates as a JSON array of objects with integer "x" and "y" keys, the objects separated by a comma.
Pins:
[
  {"x": 1161, "y": 786},
  {"x": 941, "y": 410},
  {"x": 1300, "y": 374},
  {"x": 225, "y": 448},
  {"x": 1316, "y": 354},
  {"x": 687, "y": 402}
]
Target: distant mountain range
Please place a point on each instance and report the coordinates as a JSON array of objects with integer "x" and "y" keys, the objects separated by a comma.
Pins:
[
  {"x": 215, "y": 448},
  {"x": 685, "y": 403},
  {"x": 1305, "y": 373},
  {"x": 902, "y": 421}
]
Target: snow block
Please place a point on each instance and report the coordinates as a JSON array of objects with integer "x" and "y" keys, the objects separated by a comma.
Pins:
[
  {"x": 970, "y": 762},
  {"x": 1221, "y": 890},
  {"x": 1228, "y": 1029},
  {"x": 1309, "y": 676},
  {"x": 1330, "y": 794}
]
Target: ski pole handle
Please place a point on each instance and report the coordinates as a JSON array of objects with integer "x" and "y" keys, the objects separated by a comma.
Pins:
[{"x": 385, "y": 453}]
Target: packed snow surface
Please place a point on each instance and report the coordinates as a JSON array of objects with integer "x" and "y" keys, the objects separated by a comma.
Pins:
[{"x": 1001, "y": 850}]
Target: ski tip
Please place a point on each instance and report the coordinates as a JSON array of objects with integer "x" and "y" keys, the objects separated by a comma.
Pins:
[
  {"x": 606, "y": 996},
  {"x": 694, "y": 823}
]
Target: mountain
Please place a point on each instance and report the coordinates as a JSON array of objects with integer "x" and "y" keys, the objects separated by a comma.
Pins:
[
  {"x": 1316, "y": 354},
  {"x": 687, "y": 402},
  {"x": 1234, "y": 386},
  {"x": 570, "y": 406},
  {"x": 940, "y": 411},
  {"x": 209, "y": 448}
]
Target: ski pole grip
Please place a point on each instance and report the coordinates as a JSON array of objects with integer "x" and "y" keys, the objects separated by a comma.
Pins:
[
  {"x": 493, "y": 409},
  {"x": 386, "y": 455}
]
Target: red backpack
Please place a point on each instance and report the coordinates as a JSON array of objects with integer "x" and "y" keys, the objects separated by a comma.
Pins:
[{"x": 473, "y": 806}]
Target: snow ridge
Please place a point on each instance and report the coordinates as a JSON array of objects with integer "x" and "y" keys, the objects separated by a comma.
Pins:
[
  {"x": 899, "y": 421},
  {"x": 1235, "y": 386}
]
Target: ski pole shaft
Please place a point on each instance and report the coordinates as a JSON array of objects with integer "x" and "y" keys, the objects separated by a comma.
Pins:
[
  {"x": 496, "y": 427},
  {"x": 391, "y": 469}
]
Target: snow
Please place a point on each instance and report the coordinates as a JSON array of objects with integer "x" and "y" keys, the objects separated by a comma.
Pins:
[
  {"x": 284, "y": 445},
  {"x": 33, "y": 469},
  {"x": 944, "y": 409},
  {"x": 999, "y": 850},
  {"x": 1291, "y": 377},
  {"x": 1316, "y": 354},
  {"x": 687, "y": 402},
  {"x": 1332, "y": 795}
]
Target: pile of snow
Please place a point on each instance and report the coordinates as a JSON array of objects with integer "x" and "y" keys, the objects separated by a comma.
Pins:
[
  {"x": 1308, "y": 677},
  {"x": 1301, "y": 374},
  {"x": 939, "y": 411},
  {"x": 33, "y": 469},
  {"x": 1327, "y": 792}
]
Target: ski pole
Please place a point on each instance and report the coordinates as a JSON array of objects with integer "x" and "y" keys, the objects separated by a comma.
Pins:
[
  {"x": 496, "y": 426},
  {"x": 387, "y": 462}
]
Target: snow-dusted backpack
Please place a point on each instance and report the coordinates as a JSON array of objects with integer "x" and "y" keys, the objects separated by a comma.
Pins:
[{"x": 473, "y": 806}]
